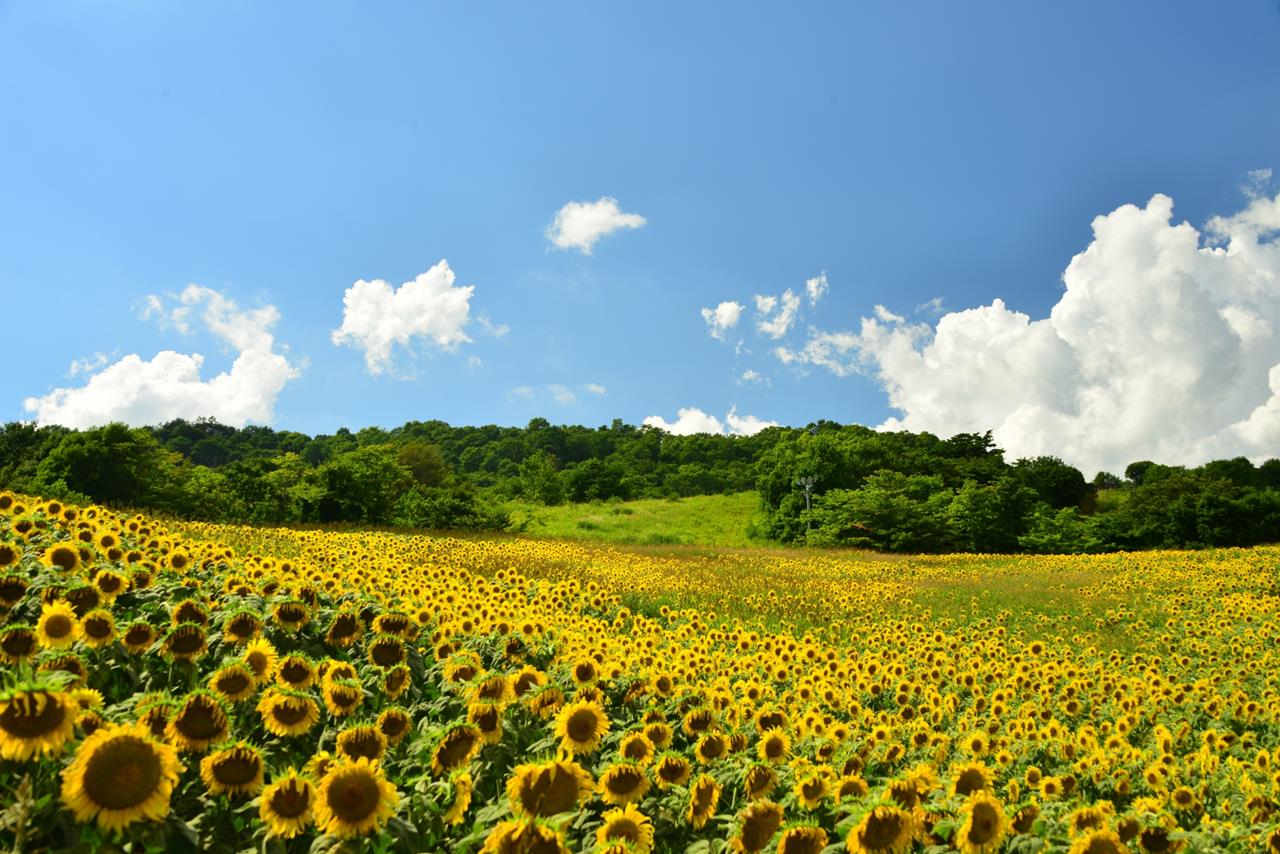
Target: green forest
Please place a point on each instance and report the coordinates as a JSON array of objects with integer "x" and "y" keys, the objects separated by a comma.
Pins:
[{"x": 823, "y": 485}]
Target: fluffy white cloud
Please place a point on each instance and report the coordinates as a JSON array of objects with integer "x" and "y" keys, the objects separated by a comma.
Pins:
[
  {"x": 578, "y": 225},
  {"x": 777, "y": 323},
  {"x": 816, "y": 288},
  {"x": 1162, "y": 347},
  {"x": 722, "y": 318},
  {"x": 691, "y": 420},
  {"x": 168, "y": 386},
  {"x": 376, "y": 316},
  {"x": 595, "y": 388},
  {"x": 561, "y": 394},
  {"x": 752, "y": 377}
]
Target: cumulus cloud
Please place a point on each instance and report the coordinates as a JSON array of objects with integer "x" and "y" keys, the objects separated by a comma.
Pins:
[
  {"x": 776, "y": 323},
  {"x": 168, "y": 386},
  {"x": 578, "y": 225},
  {"x": 1163, "y": 346},
  {"x": 430, "y": 309},
  {"x": 692, "y": 420},
  {"x": 722, "y": 318},
  {"x": 816, "y": 288}
]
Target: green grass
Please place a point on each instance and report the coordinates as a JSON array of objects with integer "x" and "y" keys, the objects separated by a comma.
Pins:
[{"x": 706, "y": 520}]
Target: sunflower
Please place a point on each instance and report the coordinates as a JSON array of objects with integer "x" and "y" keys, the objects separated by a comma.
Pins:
[
  {"x": 549, "y": 788},
  {"x": 18, "y": 643},
  {"x": 636, "y": 747},
  {"x": 672, "y": 770},
  {"x": 1099, "y": 842},
  {"x": 189, "y": 611},
  {"x": 185, "y": 642},
  {"x": 241, "y": 626},
  {"x": 261, "y": 657},
  {"x": 120, "y": 775},
  {"x": 344, "y": 630},
  {"x": 1024, "y": 819},
  {"x": 99, "y": 628},
  {"x": 10, "y": 554},
  {"x": 524, "y": 837},
  {"x": 285, "y": 806},
  {"x": 985, "y": 825},
  {"x": 35, "y": 722},
  {"x": 580, "y": 726},
  {"x": 354, "y": 798},
  {"x": 850, "y": 786},
  {"x": 627, "y": 825},
  {"x": 802, "y": 839},
  {"x": 138, "y": 636},
  {"x": 395, "y": 681},
  {"x": 318, "y": 765},
  {"x": 883, "y": 830},
  {"x": 455, "y": 748},
  {"x": 233, "y": 682},
  {"x": 110, "y": 584},
  {"x": 774, "y": 746},
  {"x": 704, "y": 796},
  {"x": 58, "y": 627},
  {"x": 546, "y": 701},
  {"x": 1085, "y": 819},
  {"x": 12, "y": 587},
  {"x": 970, "y": 777},
  {"x": 711, "y": 747},
  {"x": 386, "y": 651},
  {"x": 199, "y": 721},
  {"x": 63, "y": 556},
  {"x": 342, "y": 696},
  {"x": 291, "y": 615},
  {"x": 495, "y": 690},
  {"x": 235, "y": 770},
  {"x": 366, "y": 740},
  {"x": 295, "y": 671},
  {"x": 756, "y": 826},
  {"x": 812, "y": 788},
  {"x": 462, "y": 789},
  {"x": 527, "y": 679},
  {"x": 285, "y": 713},
  {"x": 394, "y": 723},
  {"x": 623, "y": 783},
  {"x": 82, "y": 598}
]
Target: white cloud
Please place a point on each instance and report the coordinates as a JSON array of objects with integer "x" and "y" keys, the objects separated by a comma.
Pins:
[
  {"x": 595, "y": 388},
  {"x": 497, "y": 330},
  {"x": 168, "y": 386},
  {"x": 746, "y": 425},
  {"x": 692, "y": 420},
  {"x": 930, "y": 306},
  {"x": 1255, "y": 183},
  {"x": 375, "y": 316},
  {"x": 474, "y": 362},
  {"x": 779, "y": 323},
  {"x": 87, "y": 365},
  {"x": 722, "y": 318},
  {"x": 523, "y": 392},
  {"x": 816, "y": 288},
  {"x": 1162, "y": 347},
  {"x": 578, "y": 225},
  {"x": 561, "y": 394},
  {"x": 752, "y": 377}
]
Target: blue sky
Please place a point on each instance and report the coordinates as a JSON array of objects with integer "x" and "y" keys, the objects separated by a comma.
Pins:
[{"x": 275, "y": 154}]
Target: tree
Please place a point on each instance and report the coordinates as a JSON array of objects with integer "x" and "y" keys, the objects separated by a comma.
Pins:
[
  {"x": 111, "y": 464},
  {"x": 539, "y": 480},
  {"x": 425, "y": 462},
  {"x": 1056, "y": 483}
]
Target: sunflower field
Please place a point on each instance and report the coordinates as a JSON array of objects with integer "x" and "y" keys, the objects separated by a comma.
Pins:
[{"x": 174, "y": 686}]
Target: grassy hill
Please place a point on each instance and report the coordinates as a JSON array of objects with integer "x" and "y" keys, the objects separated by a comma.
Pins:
[{"x": 709, "y": 520}]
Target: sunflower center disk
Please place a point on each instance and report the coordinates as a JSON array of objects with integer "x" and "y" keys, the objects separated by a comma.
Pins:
[{"x": 122, "y": 774}]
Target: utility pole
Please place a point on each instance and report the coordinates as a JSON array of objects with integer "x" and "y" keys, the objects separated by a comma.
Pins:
[{"x": 806, "y": 483}]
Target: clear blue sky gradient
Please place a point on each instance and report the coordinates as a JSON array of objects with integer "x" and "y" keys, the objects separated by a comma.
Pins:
[{"x": 280, "y": 151}]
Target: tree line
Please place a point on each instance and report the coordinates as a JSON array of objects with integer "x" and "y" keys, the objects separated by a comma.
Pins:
[{"x": 824, "y": 485}]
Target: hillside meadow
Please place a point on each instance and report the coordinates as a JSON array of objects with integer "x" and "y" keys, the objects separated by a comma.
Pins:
[{"x": 186, "y": 686}]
